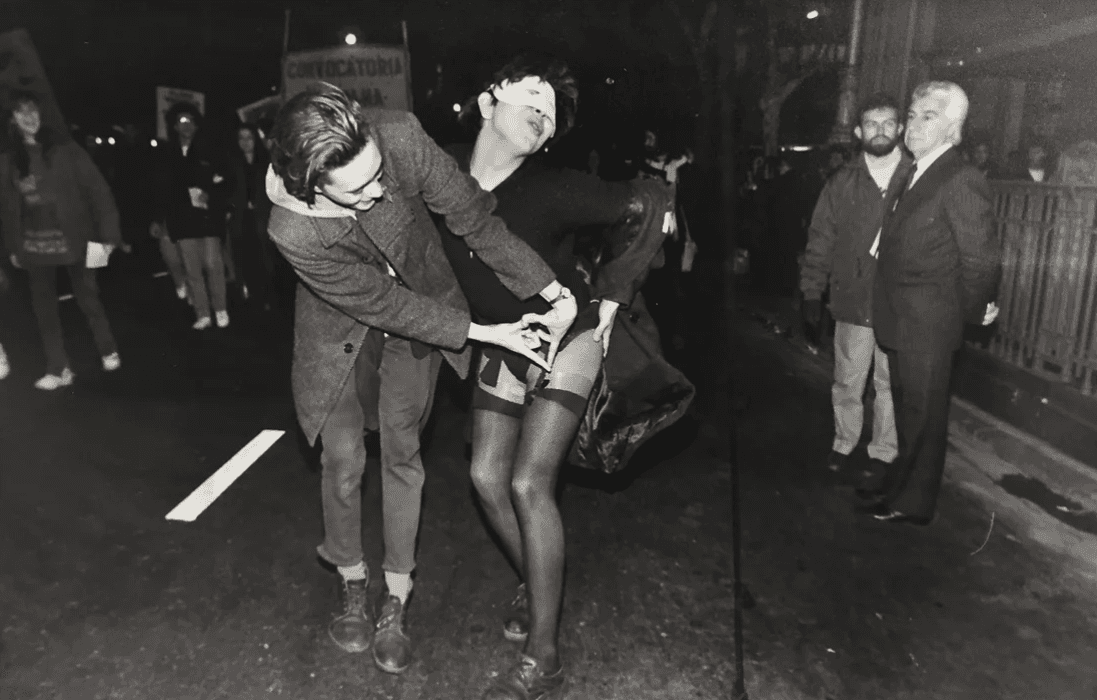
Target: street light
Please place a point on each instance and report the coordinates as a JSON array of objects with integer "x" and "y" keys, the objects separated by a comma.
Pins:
[
  {"x": 813, "y": 14},
  {"x": 110, "y": 140},
  {"x": 350, "y": 39}
]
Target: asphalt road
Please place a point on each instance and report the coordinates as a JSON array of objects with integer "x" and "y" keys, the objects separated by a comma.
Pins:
[{"x": 101, "y": 597}]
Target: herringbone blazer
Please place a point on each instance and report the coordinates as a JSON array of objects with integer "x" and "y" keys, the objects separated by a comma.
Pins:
[
  {"x": 342, "y": 264},
  {"x": 939, "y": 259}
]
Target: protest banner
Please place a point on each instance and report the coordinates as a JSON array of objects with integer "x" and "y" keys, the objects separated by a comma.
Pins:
[
  {"x": 168, "y": 96},
  {"x": 374, "y": 75},
  {"x": 20, "y": 69},
  {"x": 264, "y": 108}
]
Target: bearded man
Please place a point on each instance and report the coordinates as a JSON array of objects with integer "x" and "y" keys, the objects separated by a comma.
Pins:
[{"x": 841, "y": 251}]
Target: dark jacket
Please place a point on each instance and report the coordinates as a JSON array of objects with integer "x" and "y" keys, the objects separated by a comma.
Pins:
[
  {"x": 342, "y": 264},
  {"x": 638, "y": 393},
  {"x": 85, "y": 205},
  {"x": 847, "y": 217},
  {"x": 249, "y": 179},
  {"x": 939, "y": 259},
  {"x": 175, "y": 175}
]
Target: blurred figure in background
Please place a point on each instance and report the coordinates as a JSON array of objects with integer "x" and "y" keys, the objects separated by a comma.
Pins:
[
  {"x": 250, "y": 211},
  {"x": 53, "y": 201},
  {"x": 190, "y": 206}
]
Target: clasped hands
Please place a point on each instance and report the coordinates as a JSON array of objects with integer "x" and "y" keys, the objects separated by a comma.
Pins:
[{"x": 526, "y": 336}]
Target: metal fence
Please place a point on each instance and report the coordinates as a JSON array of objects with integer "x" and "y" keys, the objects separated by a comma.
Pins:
[{"x": 1048, "y": 293}]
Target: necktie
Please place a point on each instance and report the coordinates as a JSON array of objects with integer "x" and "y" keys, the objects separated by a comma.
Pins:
[{"x": 907, "y": 184}]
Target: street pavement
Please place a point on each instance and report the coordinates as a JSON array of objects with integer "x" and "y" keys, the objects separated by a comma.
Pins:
[
  {"x": 994, "y": 600},
  {"x": 101, "y": 597}
]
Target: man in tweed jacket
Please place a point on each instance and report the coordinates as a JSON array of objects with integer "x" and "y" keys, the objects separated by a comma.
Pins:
[{"x": 377, "y": 308}]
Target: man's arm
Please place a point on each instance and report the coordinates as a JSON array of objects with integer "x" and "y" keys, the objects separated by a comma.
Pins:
[
  {"x": 815, "y": 273},
  {"x": 968, "y": 211},
  {"x": 468, "y": 211}
]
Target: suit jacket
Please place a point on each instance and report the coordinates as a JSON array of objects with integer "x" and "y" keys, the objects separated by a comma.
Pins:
[
  {"x": 342, "y": 263},
  {"x": 939, "y": 259}
]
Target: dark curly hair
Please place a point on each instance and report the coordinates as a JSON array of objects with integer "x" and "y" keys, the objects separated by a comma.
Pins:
[
  {"x": 316, "y": 131},
  {"x": 45, "y": 136},
  {"x": 548, "y": 68}
]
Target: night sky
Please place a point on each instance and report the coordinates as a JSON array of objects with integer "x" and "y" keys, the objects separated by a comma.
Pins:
[{"x": 105, "y": 59}]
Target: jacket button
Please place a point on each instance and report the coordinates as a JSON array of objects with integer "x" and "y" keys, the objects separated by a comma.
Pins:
[{"x": 348, "y": 348}]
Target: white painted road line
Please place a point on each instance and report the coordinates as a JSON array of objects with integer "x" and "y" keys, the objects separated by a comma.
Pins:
[{"x": 201, "y": 498}]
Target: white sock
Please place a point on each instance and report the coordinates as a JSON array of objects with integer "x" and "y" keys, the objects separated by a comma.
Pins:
[
  {"x": 353, "y": 573},
  {"x": 399, "y": 585}
]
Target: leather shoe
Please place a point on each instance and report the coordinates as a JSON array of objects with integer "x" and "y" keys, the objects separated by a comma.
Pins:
[
  {"x": 836, "y": 461},
  {"x": 877, "y": 508},
  {"x": 526, "y": 680},
  {"x": 869, "y": 494},
  {"x": 391, "y": 645},
  {"x": 351, "y": 629},
  {"x": 897, "y": 517},
  {"x": 516, "y": 625}
]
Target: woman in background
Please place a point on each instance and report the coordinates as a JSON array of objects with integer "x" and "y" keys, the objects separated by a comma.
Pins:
[{"x": 53, "y": 201}]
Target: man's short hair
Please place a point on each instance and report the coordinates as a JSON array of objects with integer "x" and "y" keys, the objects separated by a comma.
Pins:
[
  {"x": 315, "y": 132},
  {"x": 879, "y": 100},
  {"x": 957, "y": 105},
  {"x": 548, "y": 68}
]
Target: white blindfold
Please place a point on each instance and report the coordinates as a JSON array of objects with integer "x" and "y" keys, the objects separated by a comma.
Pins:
[{"x": 530, "y": 91}]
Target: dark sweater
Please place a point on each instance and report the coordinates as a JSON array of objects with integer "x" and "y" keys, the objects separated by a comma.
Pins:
[{"x": 544, "y": 207}]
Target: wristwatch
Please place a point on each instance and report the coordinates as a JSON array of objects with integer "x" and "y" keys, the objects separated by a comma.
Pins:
[{"x": 565, "y": 293}]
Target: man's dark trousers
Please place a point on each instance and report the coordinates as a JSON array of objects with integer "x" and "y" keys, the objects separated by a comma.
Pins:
[{"x": 920, "y": 391}]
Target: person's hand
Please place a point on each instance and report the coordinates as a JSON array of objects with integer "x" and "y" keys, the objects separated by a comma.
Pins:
[
  {"x": 991, "y": 314},
  {"x": 15, "y": 261},
  {"x": 517, "y": 337},
  {"x": 607, "y": 311},
  {"x": 812, "y": 311},
  {"x": 557, "y": 321},
  {"x": 125, "y": 248}
]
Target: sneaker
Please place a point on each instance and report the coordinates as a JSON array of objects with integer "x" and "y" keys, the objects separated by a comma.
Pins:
[
  {"x": 202, "y": 323},
  {"x": 350, "y": 630},
  {"x": 111, "y": 362},
  {"x": 181, "y": 292},
  {"x": 55, "y": 381},
  {"x": 5, "y": 368},
  {"x": 836, "y": 461},
  {"x": 222, "y": 319},
  {"x": 527, "y": 681},
  {"x": 391, "y": 645},
  {"x": 516, "y": 625}
]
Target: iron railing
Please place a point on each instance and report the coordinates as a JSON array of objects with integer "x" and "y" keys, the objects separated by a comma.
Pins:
[{"x": 1048, "y": 293}]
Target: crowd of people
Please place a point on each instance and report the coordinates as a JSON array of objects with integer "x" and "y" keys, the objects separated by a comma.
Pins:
[{"x": 525, "y": 277}]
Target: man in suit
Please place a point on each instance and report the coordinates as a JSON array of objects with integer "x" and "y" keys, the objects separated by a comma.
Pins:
[
  {"x": 938, "y": 269},
  {"x": 378, "y": 308}
]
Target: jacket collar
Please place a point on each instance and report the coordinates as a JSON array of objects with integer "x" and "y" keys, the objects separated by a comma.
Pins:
[
  {"x": 938, "y": 172},
  {"x": 331, "y": 224}
]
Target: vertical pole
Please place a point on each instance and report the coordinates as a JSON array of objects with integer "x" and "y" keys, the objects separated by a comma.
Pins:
[
  {"x": 285, "y": 35},
  {"x": 843, "y": 126},
  {"x": 285, "y": 51},
  {"x": 407, "y": 63},
  {"x": 726, "y": 226},
  {"x": 908, "y": 51}
]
